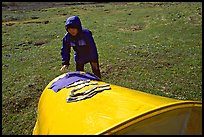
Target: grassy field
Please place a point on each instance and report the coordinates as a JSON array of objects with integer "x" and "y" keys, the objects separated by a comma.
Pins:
[{"x": 151, "y": 47}]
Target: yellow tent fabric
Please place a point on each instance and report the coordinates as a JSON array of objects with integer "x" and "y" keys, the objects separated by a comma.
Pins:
[{"x": 117, "y": 111}]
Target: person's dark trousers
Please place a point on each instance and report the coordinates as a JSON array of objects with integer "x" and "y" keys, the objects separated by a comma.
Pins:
[
  {"x": 94, "y": 66},
  {"x": 79, "y": 67}
]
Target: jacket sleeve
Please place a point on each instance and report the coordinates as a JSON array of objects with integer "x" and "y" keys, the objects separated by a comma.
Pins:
[
  {"x": 65, "y": 52},
  {"x": 91, "y": 43}
]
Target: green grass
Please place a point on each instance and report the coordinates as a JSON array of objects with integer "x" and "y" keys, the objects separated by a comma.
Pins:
[{"x": 151, "y": 47}]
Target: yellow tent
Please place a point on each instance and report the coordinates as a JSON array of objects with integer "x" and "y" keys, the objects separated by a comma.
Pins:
[{"x": 118, "y": 110}]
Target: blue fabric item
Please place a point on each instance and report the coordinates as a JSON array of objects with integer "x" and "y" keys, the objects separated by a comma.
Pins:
[
  {"x": 83, "y": 44},
  {"x": 70, "y": 78}
]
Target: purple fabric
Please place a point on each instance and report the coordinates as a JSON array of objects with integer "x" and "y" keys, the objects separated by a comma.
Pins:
[{"x": 70, "y": 78}]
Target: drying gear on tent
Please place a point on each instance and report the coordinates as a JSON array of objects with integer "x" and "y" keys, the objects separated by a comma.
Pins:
[
  {"x": 83, "y": 85},
  {"x": 70, "y": 78},
  {"x": 89, "y": 90},
  {"x": 87, "y": 93},
  {"x": 78, "y": 83}
]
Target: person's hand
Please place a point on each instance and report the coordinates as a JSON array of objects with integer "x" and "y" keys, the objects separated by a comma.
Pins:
[{"x": 63, "y": 67}]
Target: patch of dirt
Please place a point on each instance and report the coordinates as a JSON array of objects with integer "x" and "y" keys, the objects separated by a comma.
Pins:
[
  {"x": 39, "y": 5},
  {"x": 44, "y": 22},
  {"x": 106, "y": 11},
  {"x": 27, "y": 22},
  {"x": 157, "y": 4},
  {"x": 106, "y": 69},
  {"x": 5, "y": 65},
  {"x": 34, "y": 17},
  {"x": 40, "y": 42},
  {"x": 17, "y": 105},
  {"x": 132, "y": 28},
  {"x": 10, "y": 24},
  {"x": 136, "y": 28},
  {"x": 115, "y": 69},
  {"x": 24, "y": 43},
  {"x": 62, "y": 14},
  {"x": 28, "y": 44},
  {"x": 194, "y": 20}
]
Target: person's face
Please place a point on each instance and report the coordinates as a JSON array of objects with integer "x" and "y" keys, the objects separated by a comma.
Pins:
[{"x": 73, "y": 31}]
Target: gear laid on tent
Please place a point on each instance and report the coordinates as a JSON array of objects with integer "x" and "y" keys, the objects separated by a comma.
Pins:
[
  {"x": 83, "y": 85},
  {"x": 87, "y": 93},
  {"x": 118, "y": 110},
  {"x": 78, "y": 83},
  {"x": 70, "y": 78}
]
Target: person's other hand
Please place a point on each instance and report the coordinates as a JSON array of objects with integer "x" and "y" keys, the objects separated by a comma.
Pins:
[{"x": 63, "y": 67}]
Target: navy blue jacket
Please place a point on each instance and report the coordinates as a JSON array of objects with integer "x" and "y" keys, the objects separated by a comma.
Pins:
[{"x": 83, "y": 44}]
